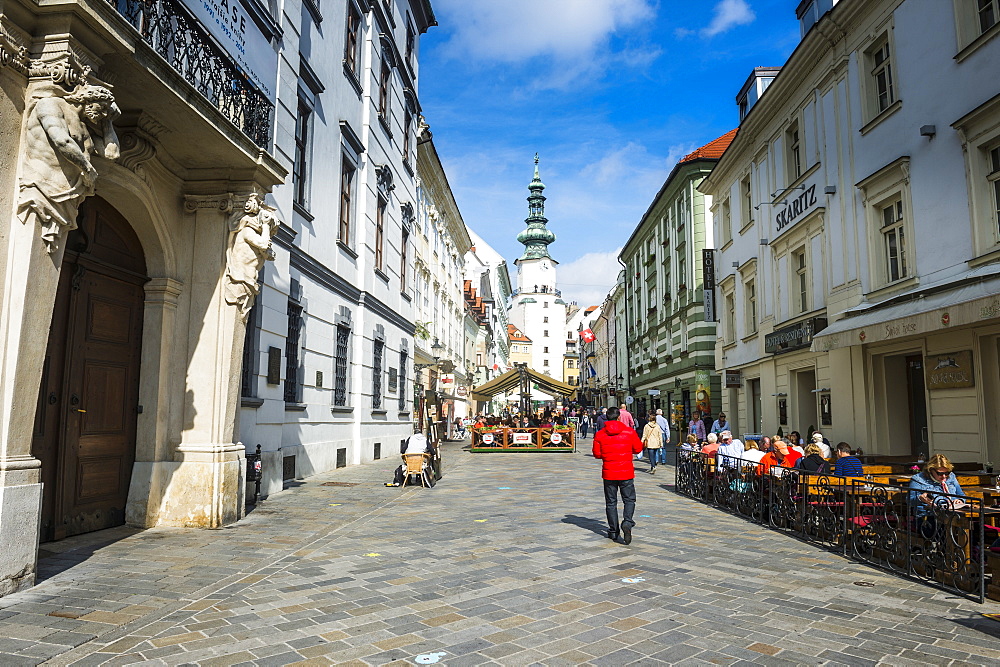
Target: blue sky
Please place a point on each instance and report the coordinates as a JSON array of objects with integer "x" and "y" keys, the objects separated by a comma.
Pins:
[{"x": 610, "y": 93}]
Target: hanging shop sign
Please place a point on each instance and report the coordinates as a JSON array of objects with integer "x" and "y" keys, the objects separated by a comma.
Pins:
[
  {"x": 950, "y": 371},
  {"x": 446, "y": 382},
  {"x": 734, "y": 379},
  {"x": 708, "y": 283},
  {"x": 229, "y": 22},
  {"x": 795, "y": 207},
  {"x": 793, "y": 337},
  {"x": 462, "y": 391}
]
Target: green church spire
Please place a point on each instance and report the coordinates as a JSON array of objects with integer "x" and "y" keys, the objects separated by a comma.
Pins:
[{"x": 537, "y": 237}]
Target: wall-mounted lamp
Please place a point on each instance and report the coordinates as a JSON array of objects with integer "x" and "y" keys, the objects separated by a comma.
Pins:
[
  {"x": 928, "y": 131},
  {"x": 779, "y": 394},
  {"x": 736, "y": 265},
  {"x": 824, "y": 390},
  {"x": 830, "y": 190},
  {"x": 764, "y": 241}
]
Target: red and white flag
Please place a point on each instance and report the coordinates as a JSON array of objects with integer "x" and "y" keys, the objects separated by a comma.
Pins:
[{"x": 588, "y": 336}]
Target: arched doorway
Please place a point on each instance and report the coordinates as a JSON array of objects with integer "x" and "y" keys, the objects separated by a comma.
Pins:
[{"x": 85, "y": 424}]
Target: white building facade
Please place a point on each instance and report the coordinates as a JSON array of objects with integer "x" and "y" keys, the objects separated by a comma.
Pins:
[
  {"x": 328, "y": 356},
  {"x": 858, "y": 232}
]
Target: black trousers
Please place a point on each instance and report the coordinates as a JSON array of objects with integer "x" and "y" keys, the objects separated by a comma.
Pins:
[{"x": 611, "y": 487}]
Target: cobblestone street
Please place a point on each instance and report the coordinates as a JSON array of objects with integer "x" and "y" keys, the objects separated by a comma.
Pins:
[{"x": 504, "y": 562}]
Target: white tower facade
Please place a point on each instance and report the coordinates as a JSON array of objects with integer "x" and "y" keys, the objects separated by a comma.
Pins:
[{"x": 537, "y": 308}]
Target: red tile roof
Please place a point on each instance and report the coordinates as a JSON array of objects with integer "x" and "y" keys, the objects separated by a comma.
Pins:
[
  {"x": 712, "y": 150},
  {"x": 515, "y": 335}
]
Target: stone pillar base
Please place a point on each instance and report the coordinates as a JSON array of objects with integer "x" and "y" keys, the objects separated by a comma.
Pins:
[
  {"x": 205, "y": 489},
  {"x": 20, "y": 509}
]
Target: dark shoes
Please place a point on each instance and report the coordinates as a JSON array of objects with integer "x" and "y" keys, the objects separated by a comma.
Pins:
[
  {"x": 627, "y": 534},
  {"x": 613, "y": 535}
]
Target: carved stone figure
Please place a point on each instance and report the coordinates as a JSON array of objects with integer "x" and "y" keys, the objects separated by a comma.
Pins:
[
  {"x": 63, "y": 130},
  {"x": 249, "y": 247}
]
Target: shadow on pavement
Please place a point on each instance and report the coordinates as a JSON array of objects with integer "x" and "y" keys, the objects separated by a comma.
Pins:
[
  {"x": 59, "y": 556},
  {"x": 592, "y": 525}
]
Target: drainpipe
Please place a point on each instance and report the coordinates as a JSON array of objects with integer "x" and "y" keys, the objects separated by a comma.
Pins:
[{"x": 628, "y": 359}]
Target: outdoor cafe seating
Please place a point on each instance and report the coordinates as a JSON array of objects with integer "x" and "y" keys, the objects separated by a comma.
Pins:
[{"x": 874, "y": 519}]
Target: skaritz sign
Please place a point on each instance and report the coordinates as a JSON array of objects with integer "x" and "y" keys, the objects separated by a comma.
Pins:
[{"x": 795, "y": 208}]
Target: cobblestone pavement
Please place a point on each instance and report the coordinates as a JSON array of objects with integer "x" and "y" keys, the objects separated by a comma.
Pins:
[{"x": 503, "y": 563}]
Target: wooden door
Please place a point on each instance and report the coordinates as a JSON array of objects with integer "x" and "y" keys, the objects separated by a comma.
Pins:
[{"x": 88, "y": 402}]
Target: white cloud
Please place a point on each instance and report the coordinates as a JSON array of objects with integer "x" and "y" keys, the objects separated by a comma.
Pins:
[
  {"x": 518, "y": 30},
  {"x": 728, "y": 15},
  {"x": 588, "y": 279}
]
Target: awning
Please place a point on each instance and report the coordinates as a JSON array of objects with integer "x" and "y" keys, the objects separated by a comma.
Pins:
[
  {"x": 511, "y": 380},
  {"x": 967, "y": 304}
]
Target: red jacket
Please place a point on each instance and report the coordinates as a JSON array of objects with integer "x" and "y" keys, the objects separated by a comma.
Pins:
[{"x": 615, "y": 444}]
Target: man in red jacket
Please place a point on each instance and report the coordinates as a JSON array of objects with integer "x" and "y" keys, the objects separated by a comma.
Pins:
[{"x": 615, "y": 444}]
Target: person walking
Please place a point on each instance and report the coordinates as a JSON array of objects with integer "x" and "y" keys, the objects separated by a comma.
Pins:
[
  {"x": 625, "y": 417},
  {"x": 664, "y": 425},
  {"x": 600, "y": 420},
  {"x": 614, "y": 445},
  {"x": 584, "y": 424},
  {"x": 652, "y": 440},
  {"x": 696, "y": 427}
]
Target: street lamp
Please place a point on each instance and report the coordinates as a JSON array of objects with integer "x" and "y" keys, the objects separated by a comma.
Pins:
[{"x": 436, "y": 348}]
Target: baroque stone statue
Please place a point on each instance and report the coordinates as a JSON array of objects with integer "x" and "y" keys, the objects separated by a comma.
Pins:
[
  {"x": 249, "y": 247},
  {"x": 63, "y": 130}
]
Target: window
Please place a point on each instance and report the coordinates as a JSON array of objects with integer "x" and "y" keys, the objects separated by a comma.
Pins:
[
  {"x": 340, "y": 365},
  {"x": 545, "y": 320},
  {"x": 383, "y": 90},
  {"x": 379, "y": 348},
  {"x": 402, "y": 379},
  {"x": 730, "y": 318},
  {"x": 801, "y": 279},
  {"x": 746, "y": 198},
  {"x": 545, "y": 362},
  {"x": 882, "y": 91},
  {"x": 569, "y": 364},
  {"x": 545, "y": 304},
  {"x": 681, "y": 269},
  {"x": 404, "y": 257},
  {"x": 725, "y": 222},
  {"x": 987, "y": 12},
  {"x": 569, "y": 336},
  {"x": 750, "y": 294},
  {"x": 248, "y": 383},
  {"x": 894, "y": 240},
  {"x": 545, "y": 333},
  {"x": 885, "y": 195},
  {"x": 793, "y": 152},
  {"x": 292, "y": 337},
  {"x": 300, "y": 168},
  {"x": 347, "y": 171},
  {"x": 994, "y": 181},
  {"x": 546, "y": 350},
  {"x": 380, "y": 235},
  {"x": 352, "y": 56},
  {"x": 411, "y": 42},
  {"x": 407, "y": 128}
]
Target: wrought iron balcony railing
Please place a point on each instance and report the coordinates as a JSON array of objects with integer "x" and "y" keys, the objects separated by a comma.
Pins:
[{"x": 168, "y": 28}]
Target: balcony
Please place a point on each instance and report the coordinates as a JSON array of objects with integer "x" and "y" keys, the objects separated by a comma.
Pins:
[
  {"x": 538, "y": 289},
  {"x": 185, "y": 45}
]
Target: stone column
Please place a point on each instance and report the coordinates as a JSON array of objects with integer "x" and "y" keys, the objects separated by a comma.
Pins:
[
  {"x": 56, "y": 144},
  {"x": 204, "y": 485}
]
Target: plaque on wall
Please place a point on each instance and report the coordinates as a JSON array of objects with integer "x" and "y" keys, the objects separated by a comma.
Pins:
[
  {"x": 273, "y": 365},
  {"x": 950, "y": 371},
  {"x": 734, "y": 379}
]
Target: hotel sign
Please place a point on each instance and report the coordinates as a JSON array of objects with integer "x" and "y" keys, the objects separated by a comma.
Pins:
[
  {"x": 795, "y": 208},
  {"x": 793, "y": 337},
  {"x": 950, "y": 371},
  {"x": 708, "y": 283},
  {"x": 734, "y": 379},
  {"x": 229, "y": 22}
]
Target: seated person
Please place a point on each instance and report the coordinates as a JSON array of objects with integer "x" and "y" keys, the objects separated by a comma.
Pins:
[
  {"x": 824, "y": 447},
  {"x": 691, "y": 443},
  {"x": 813, "y": 461},
  {"x": 937, "y": 477},
  {"x": 711, "y": 446},
  {"x": 730, "y": 448},
  {"x": 847, "y": 464},
  {"x": 415, "y": 444},
  {"x": 752, "y": 452},
  {"x": 782, "y": 456}
]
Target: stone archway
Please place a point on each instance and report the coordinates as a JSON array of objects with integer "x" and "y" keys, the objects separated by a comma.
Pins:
[{"x": 85, "y": 423}]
